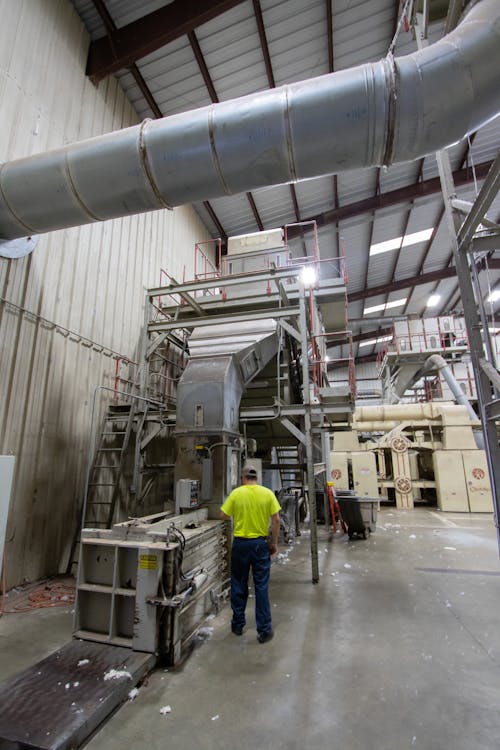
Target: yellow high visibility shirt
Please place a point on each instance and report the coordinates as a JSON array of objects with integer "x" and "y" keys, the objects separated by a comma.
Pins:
[{"x": 251, "y": 507}]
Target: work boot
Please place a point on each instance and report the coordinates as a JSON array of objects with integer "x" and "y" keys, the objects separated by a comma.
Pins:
[{"x": 265, "y": 637}]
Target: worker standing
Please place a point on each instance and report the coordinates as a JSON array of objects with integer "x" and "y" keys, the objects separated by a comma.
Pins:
[{"x": 251, "y": 506}]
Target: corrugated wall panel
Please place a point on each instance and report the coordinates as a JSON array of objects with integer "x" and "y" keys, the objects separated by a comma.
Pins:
[{"x": 79, "y": 286}]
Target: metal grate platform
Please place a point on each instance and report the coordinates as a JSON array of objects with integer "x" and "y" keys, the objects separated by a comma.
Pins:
[{"x": 56, "y": 704}]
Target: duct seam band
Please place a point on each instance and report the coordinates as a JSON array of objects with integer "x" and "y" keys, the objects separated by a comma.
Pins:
[
  {"x": 390, "y": 74},
  {"x": 29, "y": 230},
  {"x": 143, "y": 153},
  {"x": 213, "y": 149},
  {"x": 288, "y": 135},
  {"x": 75, "y": 192}
]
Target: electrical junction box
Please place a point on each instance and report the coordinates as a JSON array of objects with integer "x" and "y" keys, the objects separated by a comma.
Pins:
[{"x": 187, "y": 493}]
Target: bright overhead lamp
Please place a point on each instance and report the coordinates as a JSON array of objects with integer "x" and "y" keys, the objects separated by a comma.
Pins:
[
  {"x": 494, "y": 296},
  {"x": 371, "y": 342},
  {"x": 433, "y": 300},
  {"x": 397, "y": 242},
  {"x": 308, "y": 275},
  {"x": 385, "y": 306}
]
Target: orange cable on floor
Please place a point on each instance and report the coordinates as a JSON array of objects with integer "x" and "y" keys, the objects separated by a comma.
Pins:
[{"x": 45, "y": 595}]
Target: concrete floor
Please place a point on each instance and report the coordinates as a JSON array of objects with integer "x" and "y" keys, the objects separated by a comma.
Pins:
[{"x": 397, "y": 647}]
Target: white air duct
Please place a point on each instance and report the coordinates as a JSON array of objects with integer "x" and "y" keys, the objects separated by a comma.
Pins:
[{"x": 393, "y": 110}]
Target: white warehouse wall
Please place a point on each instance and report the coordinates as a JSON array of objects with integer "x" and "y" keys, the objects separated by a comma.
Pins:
[{"x": 89, "y": 280}]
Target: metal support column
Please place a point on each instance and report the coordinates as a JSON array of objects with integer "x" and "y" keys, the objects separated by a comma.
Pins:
[
  {"x": 313, "y": 515},
  {"x": 461, "y": 237}
]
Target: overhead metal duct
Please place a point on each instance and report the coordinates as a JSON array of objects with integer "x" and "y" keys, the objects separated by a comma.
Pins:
[{"x": 390, "y": 111}]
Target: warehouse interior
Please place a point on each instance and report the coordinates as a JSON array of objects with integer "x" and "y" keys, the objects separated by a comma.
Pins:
[{"x": 260, "y": 231}]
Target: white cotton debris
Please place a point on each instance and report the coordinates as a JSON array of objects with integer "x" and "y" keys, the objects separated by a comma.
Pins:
[
  {"x": 68, "y": 685},
  {"x": 133, "y": 694},
  {"x": 82, "y": 662},
  {"x": 165, "y": 710},
  {"x": 211, "y": 617},
  {"x": 332, "y": 574},
  {"x": 287, "y": 675},
  {"x": 75, "y": 684},
  {"x": 326, "y": 549},
  {"x": 117, "y": 674},
  {"x": 214, "y": 718},
  {"x": 346, "y": 565},
  {"x": 453, "y": 549},
  {"x": 413, "y": 536},
  {"x": 205, "y": 633}
]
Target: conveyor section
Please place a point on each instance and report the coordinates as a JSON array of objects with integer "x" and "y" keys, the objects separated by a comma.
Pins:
[{"x": 60, "y": 701}]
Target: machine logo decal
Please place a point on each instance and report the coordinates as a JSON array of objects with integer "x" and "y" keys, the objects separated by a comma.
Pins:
[{"x": 478, "y": 473}]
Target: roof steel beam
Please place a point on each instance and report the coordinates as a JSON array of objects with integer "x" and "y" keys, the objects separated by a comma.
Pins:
[
  {"x": 395, "y": 197},
  {"x": 124, "y": 46},
  {"x": 411, "y": 281},
  {"x": 263, "y": 43},
  {"x": 134, "y": 70},
  {"x": 215, "y": 219}
]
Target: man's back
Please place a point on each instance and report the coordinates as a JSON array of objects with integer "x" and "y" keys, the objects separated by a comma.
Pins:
[{"x": 251, "y": 507}]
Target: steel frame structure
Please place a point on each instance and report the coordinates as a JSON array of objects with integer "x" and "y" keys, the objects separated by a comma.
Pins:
[{"x": 293, "y": 315}]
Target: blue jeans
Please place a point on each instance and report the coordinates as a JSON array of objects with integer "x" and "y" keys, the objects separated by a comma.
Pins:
[{"x": 246, "y": 554}]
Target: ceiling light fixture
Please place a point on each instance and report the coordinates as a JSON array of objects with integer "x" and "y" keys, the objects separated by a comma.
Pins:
[
  {"x": 371, "y": 342},
  {"x": 385, "y": 306},
  {"x": 433, "y": 300},
  {"x": 308, "y": 275},
  {"x": 397, "y": 242}
]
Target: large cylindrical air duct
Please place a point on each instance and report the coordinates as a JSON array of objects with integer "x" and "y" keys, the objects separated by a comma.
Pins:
[{"x": 389, "y": 111}]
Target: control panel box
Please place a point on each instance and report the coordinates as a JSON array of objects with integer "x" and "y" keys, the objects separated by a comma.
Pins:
[{"x": 187, "y": 494}]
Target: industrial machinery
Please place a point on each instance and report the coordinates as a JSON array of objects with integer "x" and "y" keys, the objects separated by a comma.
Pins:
[
  {"x": 412, "y": 453},
  {"x": 250, "y": 379},
  {"x": 147, "y": 583},
  {"x": 234, "y": 366},
  {"x": 406, "y": 368}
]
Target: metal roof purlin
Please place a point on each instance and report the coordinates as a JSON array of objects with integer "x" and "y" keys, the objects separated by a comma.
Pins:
[
  {"x": 134, "y": 70},
  {"x": 149, "y": 33},
  {"x": 399, "y": 195}
]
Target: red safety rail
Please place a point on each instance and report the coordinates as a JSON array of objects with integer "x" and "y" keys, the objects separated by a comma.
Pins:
[
  {"x": 348, "y": 362},
  {"x": 428, "y": 340},
  {"x": 122, "y": 381},
  {"x": 343, "y": 262},
  {"x": 204, "y": 267}
]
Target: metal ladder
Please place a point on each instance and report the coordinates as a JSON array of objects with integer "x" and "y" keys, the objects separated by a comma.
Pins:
[{"x": 106, "y": 473}]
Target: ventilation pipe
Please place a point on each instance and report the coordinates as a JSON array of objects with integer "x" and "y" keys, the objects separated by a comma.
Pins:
[
  {"x": 437, "y": 362},
  {"x": 393, "y": 110}
]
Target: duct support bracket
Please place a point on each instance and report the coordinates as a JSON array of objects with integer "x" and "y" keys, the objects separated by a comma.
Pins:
[{"x": 19, "y": 248}]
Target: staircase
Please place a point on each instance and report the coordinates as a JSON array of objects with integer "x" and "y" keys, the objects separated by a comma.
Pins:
[{"x": 290, "y": 466}]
